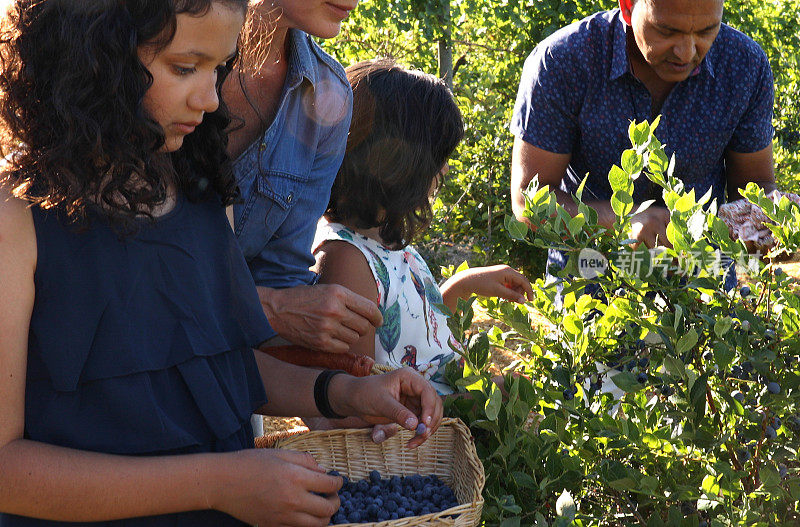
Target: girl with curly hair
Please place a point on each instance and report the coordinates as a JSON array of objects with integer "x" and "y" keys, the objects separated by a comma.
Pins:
[{"x": 127, "y": 312}]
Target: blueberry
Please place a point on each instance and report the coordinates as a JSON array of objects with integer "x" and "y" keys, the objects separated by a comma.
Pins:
[
  {"x": 644, "y": 362},
  {"x": 372, "y": 510},
  {"x": 374, "y": 476},
  {"x": 355, "y": 517},
  {"x": 739, "y": 396},
  {"x": 774, "y": 387},
  {"x": 783, "y": 471},
  {"x": 778, "y": 271},
  {"x": 568, "y": 395},
  {"x": 776, "y": 423},
  {"x": 421, "y": 429},
  {"x": 402, "y": 512},
  {"x": 743, "y": 455},
  {"x": 769, "y": 334},
  {"x": 770, "y": 433},
  {"x": 747, "y": 366},
  {"x": 642, "y": 378},
  {"x": 745, "y": 291}
]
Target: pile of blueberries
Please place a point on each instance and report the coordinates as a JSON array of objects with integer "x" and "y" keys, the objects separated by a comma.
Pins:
[{"x": 377, "y": 499}]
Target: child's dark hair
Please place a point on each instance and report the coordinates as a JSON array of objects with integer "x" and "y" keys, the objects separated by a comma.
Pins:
[
  {"x": 405, "y": 126},
  {"x": 74, "y": 129}
]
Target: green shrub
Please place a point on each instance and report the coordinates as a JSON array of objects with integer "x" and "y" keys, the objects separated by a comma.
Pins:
[{"x": 705, "y": 431}]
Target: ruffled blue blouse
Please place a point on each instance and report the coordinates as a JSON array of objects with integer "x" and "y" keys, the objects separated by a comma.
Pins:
[{"x": 142, "y": 345}]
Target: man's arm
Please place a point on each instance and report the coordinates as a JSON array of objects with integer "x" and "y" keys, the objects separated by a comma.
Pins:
[
  {"x": 756, "y": 167},
  {"x": 529, "y": 161}
]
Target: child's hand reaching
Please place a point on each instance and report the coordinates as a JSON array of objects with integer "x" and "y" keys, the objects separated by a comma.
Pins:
[{"x": 499, "y": 281}]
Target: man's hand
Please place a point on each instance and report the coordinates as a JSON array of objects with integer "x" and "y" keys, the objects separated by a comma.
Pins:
[
  {"x": 402, "y": 396},
  {"x": 650, "y": 227},
  {"x": 320, "y": 317}
]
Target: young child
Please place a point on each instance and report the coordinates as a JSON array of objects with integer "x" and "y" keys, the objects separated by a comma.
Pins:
[
  {"x": 127, "y": 313},
  {"x": 405, "y": 126}
]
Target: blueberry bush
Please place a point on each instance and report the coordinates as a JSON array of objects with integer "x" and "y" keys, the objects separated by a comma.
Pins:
[{"x": 656, "y": 395}]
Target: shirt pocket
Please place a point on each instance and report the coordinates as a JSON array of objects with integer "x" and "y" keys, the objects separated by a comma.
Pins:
[{"x": 266, "y": 208}]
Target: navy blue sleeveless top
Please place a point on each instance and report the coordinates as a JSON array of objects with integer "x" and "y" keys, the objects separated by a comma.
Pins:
[{"x": 142, "y": 345}]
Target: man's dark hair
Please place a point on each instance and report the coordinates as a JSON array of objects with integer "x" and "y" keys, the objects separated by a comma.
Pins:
[
  {"x": 74, "y": 129},
  {"x": 405, "y": 126}
]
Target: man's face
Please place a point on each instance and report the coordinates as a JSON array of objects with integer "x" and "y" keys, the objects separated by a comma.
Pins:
[{"x": 674, "y": 35}]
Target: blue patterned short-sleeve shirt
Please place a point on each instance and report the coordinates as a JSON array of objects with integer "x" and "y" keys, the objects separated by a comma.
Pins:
[{"x": 578, "y": 95}]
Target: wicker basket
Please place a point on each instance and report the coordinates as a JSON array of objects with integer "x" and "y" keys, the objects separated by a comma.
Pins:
[{"x": 449, "y": 453}]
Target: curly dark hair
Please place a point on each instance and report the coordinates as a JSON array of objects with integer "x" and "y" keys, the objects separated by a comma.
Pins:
[
  {"x": 405, "y": 126},
  {"x": 73, "y": 128}
]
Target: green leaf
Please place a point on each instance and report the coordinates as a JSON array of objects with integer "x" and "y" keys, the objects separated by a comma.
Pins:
[
  {"x": 627, "y": 382},
  {"x": 622, "y": 203},
  {"x": 723, "y": 326},
  {"x": 618, "y": 179},
  {"x": 494, "y": 403},
  {"x": 769, "y": 476},
  {"x": 686, "y": 342},
  {"x": 632, "y": 162},
  {"x": 517, "y": 230},
  {"x": 697, "y": 395},
  {"x": 674, "y": 366},
  {"x": 576, "y": 224}
]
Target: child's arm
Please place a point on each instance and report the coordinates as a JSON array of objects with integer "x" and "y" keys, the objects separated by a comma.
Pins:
[
  {"x": 496, "y": 281},
  {"x": 341, "y": 263}
]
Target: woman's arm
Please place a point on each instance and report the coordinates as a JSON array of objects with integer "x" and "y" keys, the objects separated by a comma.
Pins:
[{"x": 341, "y": 263}]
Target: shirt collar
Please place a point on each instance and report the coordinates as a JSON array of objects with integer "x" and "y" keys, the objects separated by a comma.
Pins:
[
  {"x": 620, "y": 64},
  {"x": 301, "y": 59}
]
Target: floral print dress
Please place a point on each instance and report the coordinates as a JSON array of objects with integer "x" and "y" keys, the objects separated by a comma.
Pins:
[{"x": 414, "y": 331}]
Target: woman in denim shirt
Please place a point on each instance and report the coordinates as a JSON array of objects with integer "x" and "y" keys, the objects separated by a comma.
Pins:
[{"x": 296, "y": 107}]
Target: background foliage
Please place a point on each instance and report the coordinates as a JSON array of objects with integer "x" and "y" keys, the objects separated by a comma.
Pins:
[{"x": 489, "y": 41}]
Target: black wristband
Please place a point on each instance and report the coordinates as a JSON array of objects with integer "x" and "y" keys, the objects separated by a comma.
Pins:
[{"x": 321, "y": 393}]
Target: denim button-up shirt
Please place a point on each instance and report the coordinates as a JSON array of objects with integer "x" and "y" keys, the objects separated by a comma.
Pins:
[
  {"x": 578, "y": 95},
  {"x": 286, "y": 176}
]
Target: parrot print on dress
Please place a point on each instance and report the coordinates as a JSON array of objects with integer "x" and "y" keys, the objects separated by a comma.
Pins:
[
  {"x": 416, "y": 279},
  {"x": 381, "y": 272}
]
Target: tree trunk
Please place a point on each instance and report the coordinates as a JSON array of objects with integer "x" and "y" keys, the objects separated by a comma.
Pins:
[{"x": 446, "y": 46}]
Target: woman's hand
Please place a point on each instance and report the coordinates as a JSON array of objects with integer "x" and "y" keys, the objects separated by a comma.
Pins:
[
  {"x": 499, "y": 281},
  {"x": 402, "y": 396},
  {"x": 273, "y": 487}
]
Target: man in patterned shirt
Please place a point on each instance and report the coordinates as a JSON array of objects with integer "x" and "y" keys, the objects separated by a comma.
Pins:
[{"x": 583, "y": 85}]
